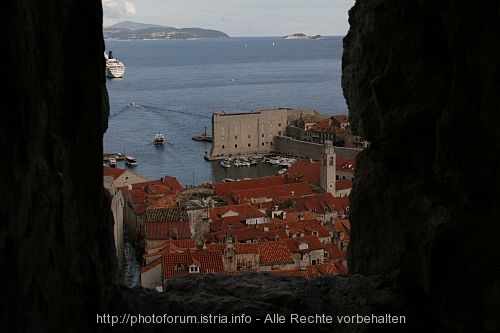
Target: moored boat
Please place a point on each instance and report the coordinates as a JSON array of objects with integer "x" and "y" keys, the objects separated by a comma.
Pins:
[
  {"x": 112, "y": 162},
  {"x": 203, "y": 137},
  {"x": 159, "y": 139},
  {"x": 130, "y": 161}
]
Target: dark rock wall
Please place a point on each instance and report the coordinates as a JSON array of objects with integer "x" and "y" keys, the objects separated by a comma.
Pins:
[
  {"x": 421, "y": 79},
  {"x": 57, "y": 253}
]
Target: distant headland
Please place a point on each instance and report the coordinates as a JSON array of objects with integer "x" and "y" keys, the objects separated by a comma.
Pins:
[
  {"x": 302, "y": 36},
  {"x": 128, "y": 30}
]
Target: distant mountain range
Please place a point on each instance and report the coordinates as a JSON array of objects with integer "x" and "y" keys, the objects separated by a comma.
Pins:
[{"x": 128, "y": 30}]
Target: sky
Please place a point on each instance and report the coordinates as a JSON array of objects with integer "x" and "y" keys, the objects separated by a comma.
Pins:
[{"x": 237, "y": 18}]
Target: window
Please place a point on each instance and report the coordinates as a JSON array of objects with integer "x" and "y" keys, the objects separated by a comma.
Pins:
[
  {"x": 262, "y": 134},
  {"x": 194, "y": 269},
  {"x": 236, "y": 137},
  {"x": 236, "y": 146},
  {"x": 178, "y": 266},
  {"x": 249, "y": 136},
  {"x": 248, "y": 145},
  {"x": 222, "y": 146},
  {"x": 262, "y": 143}
]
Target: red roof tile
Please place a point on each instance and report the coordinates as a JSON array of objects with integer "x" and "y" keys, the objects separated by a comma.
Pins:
[
  {"x": 178, "y": 264},
  {"x": 172, "y": 183},
  {"x": 270, "y": 192},
  {"x": 345, "y": 164},
  {"x": 173, "y": 246},
  {"x": 308, "y": 272},
  {"x": 113, "y": 172},
  {"x": 222, "y": 189},
  {"x": 331, "y": 268},
  {"x": 303, "y": 171},
  {"x": 312, "y": 242},
  {"x": 343, "y": 184},
  {"x": 334, "y": 252},
  {"x": 274, "y": 253},
  {"x": 166, "y": 230}
]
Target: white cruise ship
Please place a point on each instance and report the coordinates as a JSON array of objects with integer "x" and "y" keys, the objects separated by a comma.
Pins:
[{"x": 114, "y": 67}]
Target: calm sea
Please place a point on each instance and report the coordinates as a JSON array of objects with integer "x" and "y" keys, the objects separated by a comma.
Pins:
[{"x": 176, "y": 85}]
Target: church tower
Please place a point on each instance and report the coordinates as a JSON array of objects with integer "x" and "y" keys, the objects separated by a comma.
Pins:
[{"x": 328, "y": 168}]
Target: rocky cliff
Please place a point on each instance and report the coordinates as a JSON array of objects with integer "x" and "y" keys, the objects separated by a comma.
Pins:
[
  {"x": 421, "y": 79},
  {"x": 57, "y": 254}
]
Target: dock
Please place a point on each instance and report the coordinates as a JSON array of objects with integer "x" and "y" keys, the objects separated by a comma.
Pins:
[{"x": 117, "y": 156}]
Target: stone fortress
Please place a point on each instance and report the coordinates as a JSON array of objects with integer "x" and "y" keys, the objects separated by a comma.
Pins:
[{"x": 250, "y": 132}]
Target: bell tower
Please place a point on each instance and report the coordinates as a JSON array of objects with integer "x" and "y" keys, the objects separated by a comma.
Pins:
[{"x": 328, "y": 168}]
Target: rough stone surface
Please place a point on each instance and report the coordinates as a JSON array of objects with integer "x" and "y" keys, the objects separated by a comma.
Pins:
[
  {"x": 259, "y": 295},
  {"x": 421, "y": 80},
  {"x": 57, "y": 253}
]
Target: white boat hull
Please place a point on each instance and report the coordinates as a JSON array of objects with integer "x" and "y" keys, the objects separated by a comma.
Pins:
[{"x": 114, "y": 67}]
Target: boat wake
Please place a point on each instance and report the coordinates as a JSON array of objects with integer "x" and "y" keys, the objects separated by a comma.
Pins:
[
  {"x": 155, "y": 108},
  {"x": 134, "y": 105}
]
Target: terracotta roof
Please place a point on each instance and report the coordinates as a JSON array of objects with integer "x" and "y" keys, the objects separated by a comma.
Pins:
[
  {"x": 311, "y": 227},
  {"x": 172, "y": 183},
  {"x": 317, "y": 203},
  {"x": 113, "y": 172},
  {"x": 303, "y": 171},
  {"x": 222, "y": 189},
  {"x": 167, "y": 230},
  {"x": 186, "y": 245},
  {"x": 312, "y": 242},
  {"x": 168, "y": 200},
  {"x": 344, "y": 226},
  {"x": 334, "y": 252},
  {"x": 242, "y": 211},
  {"x": 343, "y": 184},
  {"x": 178, "y": 264},
  {"x": 341, "y": 118},
  {"x": 331, "y": 268},
  {"x": 274, "y": 253},
  {"x": 238, "y": 235},
  {"x": 345, "y": 164},
  {"x": 146, "y": 193},
  {"x": 325, "y": 128},
  {"x": 172, "y": 214},
  {"x": 294, "y": 215},
  {"x": 233, "y": 216},
  {"x": 285, "y": 190},
  {"x": 308, "y": 272}
]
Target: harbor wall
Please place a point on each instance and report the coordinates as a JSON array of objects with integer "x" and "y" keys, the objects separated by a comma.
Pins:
[{"x": 288, "y": 146}]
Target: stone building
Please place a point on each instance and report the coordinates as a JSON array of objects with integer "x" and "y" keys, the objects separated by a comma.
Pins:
[{"x": 250, "y": 132}]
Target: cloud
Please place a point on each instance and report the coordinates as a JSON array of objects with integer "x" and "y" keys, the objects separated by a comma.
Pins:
[{"x": 118, "y": 8}]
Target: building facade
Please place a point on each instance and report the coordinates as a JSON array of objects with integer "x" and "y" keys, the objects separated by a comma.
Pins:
[{"x": 250, "y": 132}]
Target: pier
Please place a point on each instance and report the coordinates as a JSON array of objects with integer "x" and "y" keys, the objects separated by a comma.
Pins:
[{"x": 116, "y": 156}]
